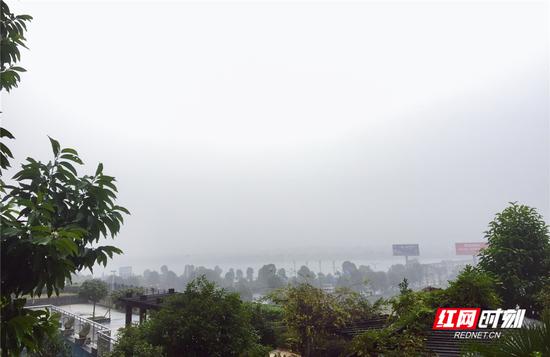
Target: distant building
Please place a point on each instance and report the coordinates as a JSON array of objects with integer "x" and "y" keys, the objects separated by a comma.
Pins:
[{"x": 125, "y": 272}]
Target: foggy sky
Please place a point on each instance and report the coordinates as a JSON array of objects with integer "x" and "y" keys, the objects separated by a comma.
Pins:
[{"x": 275, "y": 127}]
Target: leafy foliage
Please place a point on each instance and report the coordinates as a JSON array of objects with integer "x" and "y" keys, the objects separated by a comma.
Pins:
[
  {"x": 51, "y": 221},
  {"x": 12, "y": 32},
  {"x": 267, "y": 320},
  {"x": 53, "y": 346},
  {"x": 132, "y": 342},
  {"x": 204, "y": 320},
  {"x": 413, "y": 310},
  {"x": 387, "y": 342},
  {"x": 5, "y": 152},
  {"x": 532, "y": 340},
  {"x": 518, "y": 254},
  {"x": 472, "y": 288},
  {"x": 24, "y": 327},
  {"x": 314, "y": 317},
  {"x": 93, "y": 290}
]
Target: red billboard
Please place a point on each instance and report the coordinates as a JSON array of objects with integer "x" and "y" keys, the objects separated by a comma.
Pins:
[{"x": 469, "y": 248}]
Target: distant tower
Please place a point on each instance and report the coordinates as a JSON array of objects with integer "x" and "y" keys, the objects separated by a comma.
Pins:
[{"x": 125, "y": 272}]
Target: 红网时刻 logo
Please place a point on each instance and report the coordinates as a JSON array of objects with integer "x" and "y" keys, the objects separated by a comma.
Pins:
[{"x": 448, "y": 318}]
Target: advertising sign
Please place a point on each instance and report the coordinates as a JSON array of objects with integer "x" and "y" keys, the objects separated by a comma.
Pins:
[
  {"x": 406, "y": 250},
  {"x": 469, "y": 248}
]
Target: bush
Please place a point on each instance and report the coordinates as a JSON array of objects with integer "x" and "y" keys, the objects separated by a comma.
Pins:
[
  {"x": 132, "y": 342},
  {"x": 204, "y": 320},
  {"x": 473, "y": 288}
]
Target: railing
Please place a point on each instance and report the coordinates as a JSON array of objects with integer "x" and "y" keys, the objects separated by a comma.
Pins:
[{"x": 99, "y": 337}]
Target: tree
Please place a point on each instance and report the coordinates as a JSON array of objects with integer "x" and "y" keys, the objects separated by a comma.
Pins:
[
  {"x": 229, "y": 278},
  {"x": 395, "y": 274},
  {"x": 388, "y": 342},
  {"x": 531, "y": 340},
  {"x": 51, "y": 222},
  {"x": 266, "y": 320},
  {"x": 12, "y": 33},
  {"x": 305, "y": 275},
  {"x": 132, "y": 342},
  {"x": 54, "y": 345},
  {"x": 204, "y": 320},
  {"x": 268, "y": 278},
  {"x": 518, "y": 254},
  {"x": 311, "y": 315},
  {"x": 473, "y": 288},
  {"x": 12, "y": 30},
  {"x": 94, "y": 290}
]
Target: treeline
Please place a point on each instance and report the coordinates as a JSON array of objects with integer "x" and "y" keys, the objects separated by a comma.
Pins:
[
  {"x": 249, "y": 284},
  {"x": 206, "y": 320}
]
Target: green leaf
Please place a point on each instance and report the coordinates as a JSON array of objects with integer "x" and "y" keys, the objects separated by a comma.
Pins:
[
  {"x": 6, "y": 134},
  {"x": 66, "y": 246},
  {"x": 71, "y": 158},
  {"x": 69, "y": 151},
  {"x": 55, "y": 146},
  {"x": 42, "y": 240},
  {"x": 69, "y": 167}
]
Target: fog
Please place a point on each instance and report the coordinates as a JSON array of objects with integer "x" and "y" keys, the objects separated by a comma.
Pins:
[{"x": 281, "y": 131}]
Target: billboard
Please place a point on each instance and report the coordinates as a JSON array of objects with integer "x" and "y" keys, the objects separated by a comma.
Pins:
[
  {"x": 406, "y": 250},
  {"x": 469, "y": 248}
]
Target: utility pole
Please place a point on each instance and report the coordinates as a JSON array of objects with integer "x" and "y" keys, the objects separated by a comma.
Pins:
[
  {"x": 112, "y": 290},
  {"x": 318, "y": 277},
  {"x": 113, "y": 280}
]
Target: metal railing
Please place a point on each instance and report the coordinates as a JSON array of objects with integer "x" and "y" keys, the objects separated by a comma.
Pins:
[{"x": 98, "y": 337}]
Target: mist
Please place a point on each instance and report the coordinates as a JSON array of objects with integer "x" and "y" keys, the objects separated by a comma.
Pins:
[{"x": 242, "y": 133}]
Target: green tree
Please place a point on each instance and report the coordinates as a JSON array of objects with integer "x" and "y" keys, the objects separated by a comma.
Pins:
[
  {"x": 12, "y": 37},
  {"x": 54, "y": 345},
  {"x": 267, "y": 321},
  {"x": 311, "y": 315},
  {"x": 518, "y": 254},
  {"x": 529, "y": 341},
  {"x": 472, "y": 288},
  {"x": 388, "y": 342},
  {"x": 51, "y": 222},
  {"x": 133, "y": 342},
  {"x": 204, "y": 320},
  {"x": 93, "y": 290},
  {"x": 12, "y": 31}
]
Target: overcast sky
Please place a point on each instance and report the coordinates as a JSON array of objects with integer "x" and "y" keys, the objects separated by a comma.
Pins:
[{"x": 263, "y": 127}]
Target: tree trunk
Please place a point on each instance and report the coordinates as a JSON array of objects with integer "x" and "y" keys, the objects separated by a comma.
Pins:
[{"x": 93, "y": 313}]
